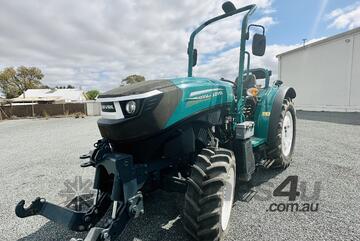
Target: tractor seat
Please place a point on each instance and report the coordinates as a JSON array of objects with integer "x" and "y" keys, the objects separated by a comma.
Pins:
[{"x": 249, "y": 81}]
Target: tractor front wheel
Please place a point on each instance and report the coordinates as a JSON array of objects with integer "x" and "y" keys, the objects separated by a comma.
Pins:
[
  {"x": 210, "y": 194},
  {"x": 285, "y": 139}
]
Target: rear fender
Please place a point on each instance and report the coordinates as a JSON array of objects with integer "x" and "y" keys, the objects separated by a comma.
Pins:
[
  {"x": 282, "y": 93},
  {"x": 268, "y": 111}
]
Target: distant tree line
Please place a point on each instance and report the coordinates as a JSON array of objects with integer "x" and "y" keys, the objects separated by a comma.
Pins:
[
  {"x": 92, "y": 94},
  {"x": 15, "y": 81},
  {"x": 65, "y": 87},
  {"x": 132, "y": 79}
]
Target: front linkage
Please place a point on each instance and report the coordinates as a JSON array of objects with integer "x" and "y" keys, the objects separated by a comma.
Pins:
[{"x": 123, "y": 194}]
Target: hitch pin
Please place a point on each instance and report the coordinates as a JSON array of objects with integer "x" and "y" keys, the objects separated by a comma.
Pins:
[{"x": 114, "y": 211}]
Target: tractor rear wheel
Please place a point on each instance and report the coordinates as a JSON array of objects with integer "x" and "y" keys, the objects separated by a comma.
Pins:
[
  {"x": 285, "y": 138},
  {"x": 210, "y": 194}
]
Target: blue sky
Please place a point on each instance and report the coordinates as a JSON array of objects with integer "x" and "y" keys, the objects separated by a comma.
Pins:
[
  {"x": 95, "y": 44},
  {"x": 303, "y": 19},
  {"x": 287, "y": 24}
]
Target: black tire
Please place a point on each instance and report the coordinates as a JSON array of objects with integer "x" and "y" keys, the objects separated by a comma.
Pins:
[
  {"x": 282, "y": 161},
  {"x": 204, "y": 197}
]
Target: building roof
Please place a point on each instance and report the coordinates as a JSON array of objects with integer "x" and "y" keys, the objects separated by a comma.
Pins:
[
  {"x": 337, "y": 36},
  {"x": 67, "y": 95}
]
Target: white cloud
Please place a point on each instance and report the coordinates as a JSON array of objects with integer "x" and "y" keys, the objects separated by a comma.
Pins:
[
  {"x": 95, "y": 44},
  {"x": 265, "y": 21},
  {"x": 347, "y": 17},
  {"x": 226, "y": 65}
]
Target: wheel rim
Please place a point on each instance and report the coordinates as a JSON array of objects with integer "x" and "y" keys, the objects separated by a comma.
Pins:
[
  {"x": 228, "y": 195},
  {"x": 287, "y": 133}
]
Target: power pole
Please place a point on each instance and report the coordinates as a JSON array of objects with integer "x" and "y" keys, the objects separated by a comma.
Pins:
[{"x": 304, "y": 41}]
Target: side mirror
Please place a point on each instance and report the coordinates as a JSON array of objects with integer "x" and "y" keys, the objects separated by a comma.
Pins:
[
  {"x": 194, "y": 57},
  {"x": 259, "y": 44}
]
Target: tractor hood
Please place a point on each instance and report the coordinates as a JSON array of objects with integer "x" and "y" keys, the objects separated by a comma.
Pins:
[
  {"x": 138, "y": 88},
  {"x": 158, "y": 104}
]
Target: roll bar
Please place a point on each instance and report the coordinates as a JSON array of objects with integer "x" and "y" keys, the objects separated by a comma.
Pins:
[
  {"x": 244, "y": 33},
  {"x": 249, "y": 8}
]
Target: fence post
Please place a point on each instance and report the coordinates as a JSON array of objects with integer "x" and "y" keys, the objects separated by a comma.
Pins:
[
  {"x": 85, "y": 108},
  {"x": 32, "y": 109}
]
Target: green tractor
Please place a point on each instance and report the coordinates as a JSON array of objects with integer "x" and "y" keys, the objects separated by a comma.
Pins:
[{"x": 198, "y": 136}]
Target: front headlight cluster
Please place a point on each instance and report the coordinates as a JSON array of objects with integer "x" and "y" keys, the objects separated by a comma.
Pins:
[{"x": 130, "y": 108}]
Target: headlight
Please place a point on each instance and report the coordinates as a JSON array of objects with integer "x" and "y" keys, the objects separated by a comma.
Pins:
[{"x": 130, "y": 107}]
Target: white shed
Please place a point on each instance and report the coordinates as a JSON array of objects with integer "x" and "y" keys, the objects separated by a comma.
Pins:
[
  {"x": 51, "y": 96},
  {"x": 325, "y": 74}
]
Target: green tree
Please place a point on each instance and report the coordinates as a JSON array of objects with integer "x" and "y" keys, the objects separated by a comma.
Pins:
[
  {"x": 92, "y": 94},
  {"x": 14, "y": 82},
  {"x": 132, "y": 79},
  {"x": 65, "y": 87}
]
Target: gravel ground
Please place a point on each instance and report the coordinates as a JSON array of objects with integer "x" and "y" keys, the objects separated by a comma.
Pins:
[{"x": 37, "y": 156}]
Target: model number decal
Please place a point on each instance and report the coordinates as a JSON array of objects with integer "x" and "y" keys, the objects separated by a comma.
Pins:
[{"x": 205, "y": 96}]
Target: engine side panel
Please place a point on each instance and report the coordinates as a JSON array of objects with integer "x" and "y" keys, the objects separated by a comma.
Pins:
[{"x": 199, "y": 94}]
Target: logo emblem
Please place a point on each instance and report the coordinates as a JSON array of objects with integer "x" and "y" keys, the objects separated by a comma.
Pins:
[{"x": 108, "y": 107}]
